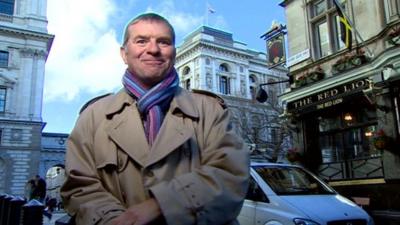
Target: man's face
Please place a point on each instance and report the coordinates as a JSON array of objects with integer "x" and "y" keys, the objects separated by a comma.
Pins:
[{"x": 149, "y": 51}]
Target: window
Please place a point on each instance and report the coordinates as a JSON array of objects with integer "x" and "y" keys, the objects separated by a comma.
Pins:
[
  {"x": 2, "y": 99},
  {"x": 348, "y": 134},
  {"x": 255, "y": 193},
  {"x": 272, "y": 92},
  {"x": 224, "y": 86},
  {"x": 3, "y": 59},
  {"x": 187, "y": 84},
  {"x": 208, "y": 62},
  {"x": 253, "y": 86},
  {"x": 274, "y": 135},
  {"x": 223, "y": 68},
  {"x": 325, "y": 28},
  {"x": 7, "y": 7},
  {"x": 186, "y": 71}
]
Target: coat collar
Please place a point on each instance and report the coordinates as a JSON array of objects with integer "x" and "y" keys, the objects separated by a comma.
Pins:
[
  {"x": 182, "y": 102},
  {"x": 126, "y": 128}
]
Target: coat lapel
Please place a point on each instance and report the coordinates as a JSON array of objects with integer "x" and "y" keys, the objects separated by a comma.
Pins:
[
  {"x": 173, "y": 133},
  {"x": 127, "y": 131}
]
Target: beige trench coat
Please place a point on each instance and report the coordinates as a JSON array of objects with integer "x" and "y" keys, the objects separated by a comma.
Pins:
[{"x": 197, "y": 169}]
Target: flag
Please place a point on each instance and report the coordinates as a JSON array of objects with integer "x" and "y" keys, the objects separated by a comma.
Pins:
[
  {"x": 345, "y": 27},
  {"x": 210, "y": 9}
]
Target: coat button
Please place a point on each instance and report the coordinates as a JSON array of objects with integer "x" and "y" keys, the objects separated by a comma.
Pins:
[{"x": 149, "y": 173}]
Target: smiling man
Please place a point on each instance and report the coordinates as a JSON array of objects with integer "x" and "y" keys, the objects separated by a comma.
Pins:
[{"x": 154, "y": 153}]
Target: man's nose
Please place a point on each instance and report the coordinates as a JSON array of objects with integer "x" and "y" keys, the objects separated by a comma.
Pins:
[{"x": 153, "y": 47}]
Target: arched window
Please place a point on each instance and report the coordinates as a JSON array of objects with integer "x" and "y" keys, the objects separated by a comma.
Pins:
[
  {"x": 186, "y": 71},
  {"x": 223, "y": 68},
  {"x": 208, "y": 62}
]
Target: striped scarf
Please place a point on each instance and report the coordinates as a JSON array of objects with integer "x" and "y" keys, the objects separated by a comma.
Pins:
[{"x": 154, "y": 102}]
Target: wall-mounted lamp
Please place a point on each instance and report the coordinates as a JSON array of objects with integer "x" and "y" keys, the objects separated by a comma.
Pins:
[
  {"x": 368, "y": 133},
  {"x": 262, "y": 95},
  {"x": 348, "y": 117}
]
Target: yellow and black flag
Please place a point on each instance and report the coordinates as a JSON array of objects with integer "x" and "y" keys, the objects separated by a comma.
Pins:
[{"x": 345, "y": 27}]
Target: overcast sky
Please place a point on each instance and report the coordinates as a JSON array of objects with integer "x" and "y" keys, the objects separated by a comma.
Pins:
[{"x": 84, "y": 60}]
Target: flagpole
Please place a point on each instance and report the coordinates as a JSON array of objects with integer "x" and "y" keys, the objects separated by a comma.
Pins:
[{"x": 355, "y": 30}]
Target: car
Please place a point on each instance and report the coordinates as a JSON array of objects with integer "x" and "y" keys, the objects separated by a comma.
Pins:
[{"x": 285, "y": 194}]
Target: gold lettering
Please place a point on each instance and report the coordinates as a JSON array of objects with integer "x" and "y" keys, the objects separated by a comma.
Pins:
[{"x": 303, "y": 102}]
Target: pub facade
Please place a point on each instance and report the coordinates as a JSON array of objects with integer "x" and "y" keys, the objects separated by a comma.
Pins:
[{"x": 344, "y": 94}]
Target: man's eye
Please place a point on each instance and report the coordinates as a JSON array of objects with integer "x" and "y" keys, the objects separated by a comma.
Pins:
[
  {"x": 164, "y": 42},
  {"x": 141, "y": 41}
]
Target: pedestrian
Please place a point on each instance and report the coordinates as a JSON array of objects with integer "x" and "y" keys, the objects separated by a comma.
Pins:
[
  {"x": 154, "y": 153},
  {"x": 30, "y": 189},
  {"x": 39, "y": 191},
  {"x": 51, "y": 203}
]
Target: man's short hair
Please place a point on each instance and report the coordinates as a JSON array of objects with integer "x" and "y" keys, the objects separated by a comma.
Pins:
[{"x": 147, "y": 17}]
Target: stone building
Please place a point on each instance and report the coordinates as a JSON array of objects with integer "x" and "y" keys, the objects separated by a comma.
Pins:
[
  {"x": 345, "y": 96},
  {"x": 24, "y": 47},
  {"x": 210, "y": 59}
]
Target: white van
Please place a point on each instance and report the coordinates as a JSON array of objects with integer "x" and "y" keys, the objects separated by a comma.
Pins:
[{"x": 282, "y": 194}]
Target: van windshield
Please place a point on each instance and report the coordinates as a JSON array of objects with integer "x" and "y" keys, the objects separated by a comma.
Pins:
[{"x": 292, "y": 181}]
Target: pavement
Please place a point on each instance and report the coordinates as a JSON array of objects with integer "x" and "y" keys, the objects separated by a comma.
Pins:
[{"x": 56, "y": 215}]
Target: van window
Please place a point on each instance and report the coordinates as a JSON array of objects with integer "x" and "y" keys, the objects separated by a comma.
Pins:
[
  {"x": 255, "y": 193},
  {"x": 292, "y": 181}
]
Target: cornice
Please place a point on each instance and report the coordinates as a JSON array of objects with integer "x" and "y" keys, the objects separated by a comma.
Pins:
[
  {"x": 31, "y": 33},
  {"x": 374, "y": 67},
  {"x": 28, "y": 52},
  {"x": 212, "y": 45}
]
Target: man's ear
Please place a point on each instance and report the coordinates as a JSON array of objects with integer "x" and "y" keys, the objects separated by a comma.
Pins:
[{"x": 122, "y": 52}]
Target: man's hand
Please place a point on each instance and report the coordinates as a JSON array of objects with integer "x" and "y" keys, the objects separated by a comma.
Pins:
[{"x": 139, "y": 214}]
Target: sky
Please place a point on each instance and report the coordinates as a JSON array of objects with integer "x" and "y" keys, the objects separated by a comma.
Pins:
[{"x": 84, "y": 60}]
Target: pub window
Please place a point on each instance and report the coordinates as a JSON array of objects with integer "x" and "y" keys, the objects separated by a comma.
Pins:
[
  {"x": 2, "y": 99},
  {"x": 347, "y": 135},
  {"x": 3, "y": 58},
  {"x": 7, "y": 7},
  {"x": 224, "y": 86},
  {"x": 325, "y": 28}
]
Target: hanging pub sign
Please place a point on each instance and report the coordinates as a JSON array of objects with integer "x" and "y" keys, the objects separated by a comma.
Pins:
[
  {"x": 276, "y": 50},
  {"x": 328, "y": 98},
  {"x": 275, "y": 42}
]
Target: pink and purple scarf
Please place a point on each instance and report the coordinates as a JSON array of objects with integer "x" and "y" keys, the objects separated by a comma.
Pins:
[{"x": 152, "y": 103}]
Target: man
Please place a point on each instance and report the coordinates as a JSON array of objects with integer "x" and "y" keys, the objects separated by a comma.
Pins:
[
  {"x": 154, "y": 153},
  {"x": 39, "y": 190}
]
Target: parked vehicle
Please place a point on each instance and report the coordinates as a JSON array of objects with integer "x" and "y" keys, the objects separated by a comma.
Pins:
[{"x": 282, "y": 194}]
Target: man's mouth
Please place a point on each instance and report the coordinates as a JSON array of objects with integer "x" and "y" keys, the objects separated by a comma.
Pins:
[{"x": 153, "y": 62}]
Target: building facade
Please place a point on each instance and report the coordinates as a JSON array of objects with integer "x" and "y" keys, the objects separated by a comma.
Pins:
[
  {"x": 210, "y": 59},
  {"x": 344, "y": 96},
  {"x": 52, "y": 162},
  {"x": 24, "y": 47}
]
